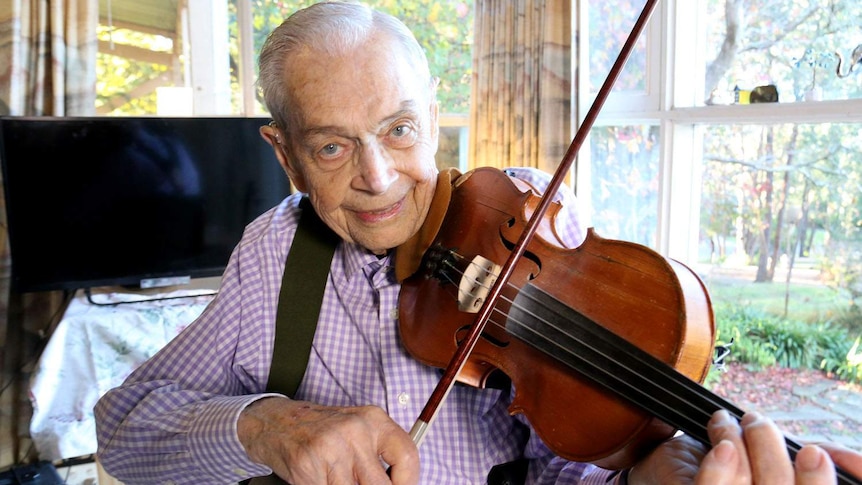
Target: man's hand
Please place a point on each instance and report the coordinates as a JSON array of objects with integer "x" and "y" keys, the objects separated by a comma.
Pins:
[
  {"x": 674, "y": 461},
  {"x": 849, "y": 460},
  {"x": 752, "y": 451},
  {"x": 305, "y": 443}
]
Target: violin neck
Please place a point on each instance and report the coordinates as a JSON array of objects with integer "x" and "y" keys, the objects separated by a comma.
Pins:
[{"x": 621, "y": 367}]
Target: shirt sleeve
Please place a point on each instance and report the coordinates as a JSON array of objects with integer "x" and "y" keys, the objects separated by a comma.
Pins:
[{"x": 174, "y": 418}]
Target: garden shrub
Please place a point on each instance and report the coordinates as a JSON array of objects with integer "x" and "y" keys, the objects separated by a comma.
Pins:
[{"x": 762, "y": 340}]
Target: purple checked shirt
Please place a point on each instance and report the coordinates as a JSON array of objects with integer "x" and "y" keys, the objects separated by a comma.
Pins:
[{"x": 174, "y": 419}]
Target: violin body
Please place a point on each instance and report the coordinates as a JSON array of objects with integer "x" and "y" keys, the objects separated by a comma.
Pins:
[{"x": 654, "y": 303}]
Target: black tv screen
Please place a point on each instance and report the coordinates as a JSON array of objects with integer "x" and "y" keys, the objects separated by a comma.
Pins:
[{"x": 104, "y": 201}]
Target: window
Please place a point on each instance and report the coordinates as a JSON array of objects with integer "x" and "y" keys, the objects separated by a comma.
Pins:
[
  {"x": 617, "y": 177},
  {"x": 695, "y": 157},
  {"x": 689, "y": 84},
  {"x": 134, "y": 65}
]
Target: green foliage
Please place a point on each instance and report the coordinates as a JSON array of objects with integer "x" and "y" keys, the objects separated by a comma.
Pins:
[
  {"x": 118, "y": 78},
  {"x": 445, "y": 29},
  {"x": 762, "y": 340},
  {"x": 852, "y": 368},
  {"x": 733, "y": 326},
  {"x": 849, "y": 318}
]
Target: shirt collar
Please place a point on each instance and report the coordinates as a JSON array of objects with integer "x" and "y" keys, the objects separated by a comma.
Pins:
[{"x": 356, "y": 258}]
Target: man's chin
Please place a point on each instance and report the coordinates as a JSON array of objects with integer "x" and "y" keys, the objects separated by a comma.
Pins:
[{"x": 383, "y": 246}]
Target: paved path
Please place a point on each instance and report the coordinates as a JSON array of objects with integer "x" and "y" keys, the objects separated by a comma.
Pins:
[
  {"x": 808, "y": 405},
  {"x": 828, "y": 411}
]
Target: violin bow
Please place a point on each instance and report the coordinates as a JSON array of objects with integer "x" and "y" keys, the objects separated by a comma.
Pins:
[{"x": 465, "y": 348}]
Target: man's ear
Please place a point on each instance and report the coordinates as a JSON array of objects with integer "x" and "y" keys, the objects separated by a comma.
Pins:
[{"x": 272, "y": 135}]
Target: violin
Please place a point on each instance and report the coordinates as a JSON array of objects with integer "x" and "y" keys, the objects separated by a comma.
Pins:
[
  {"x": 606, "y": 345},
  {"x": 543, "y": 333}
]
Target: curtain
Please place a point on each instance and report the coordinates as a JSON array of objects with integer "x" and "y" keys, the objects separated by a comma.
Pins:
[
  {"x": 521, "y": 94},
  {"x": 48, "y": 56},
  {"x": 47, "y": 68}
]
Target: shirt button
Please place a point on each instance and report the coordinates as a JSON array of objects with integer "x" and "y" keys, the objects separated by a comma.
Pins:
[
  {"x": 393, "y": 314},
  {"x": 403, "y": 398},
  {"x": 239, "y": 471}
]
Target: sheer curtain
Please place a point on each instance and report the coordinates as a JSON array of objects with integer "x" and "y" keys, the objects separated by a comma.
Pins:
[
  {"x": 47, "y": 68},
  {"x": 521, "y": 98}
]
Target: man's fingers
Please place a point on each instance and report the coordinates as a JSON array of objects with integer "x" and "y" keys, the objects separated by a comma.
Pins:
[
  {"x": 814, "y": 467},
  {"x": 305, "y": 443},
  {"x": 722, "y": 426},
  {"x": 767, "y": 450},
  {"x": 401, "y": 455},
  {"x": 849, "y": 460},
  {"x": 713, "y": 469}
]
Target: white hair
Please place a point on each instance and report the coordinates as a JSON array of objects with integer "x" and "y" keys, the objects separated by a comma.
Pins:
[{"x": 331, "y": 28}]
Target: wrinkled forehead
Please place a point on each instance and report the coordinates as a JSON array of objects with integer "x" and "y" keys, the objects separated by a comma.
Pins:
[{"x": 370, "y": 79}]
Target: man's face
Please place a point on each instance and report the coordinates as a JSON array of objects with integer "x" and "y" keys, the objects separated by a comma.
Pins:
[{"x": 364, "y": 142}]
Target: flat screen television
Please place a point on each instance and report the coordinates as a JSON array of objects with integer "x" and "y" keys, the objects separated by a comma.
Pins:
[{"x": 131, "y": 201}]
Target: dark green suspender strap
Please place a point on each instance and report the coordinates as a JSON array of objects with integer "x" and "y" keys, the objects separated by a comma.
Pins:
[{"x": 302, "y": 284}]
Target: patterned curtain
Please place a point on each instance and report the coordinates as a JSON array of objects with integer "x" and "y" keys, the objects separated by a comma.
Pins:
[
  {"x": 47, "y": 68},
  {"x": 48, "y": 56},
  {"x": 521, "y": 97}
]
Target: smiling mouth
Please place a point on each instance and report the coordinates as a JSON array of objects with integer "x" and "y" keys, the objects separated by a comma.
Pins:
[{"x": 371, "y": 217}]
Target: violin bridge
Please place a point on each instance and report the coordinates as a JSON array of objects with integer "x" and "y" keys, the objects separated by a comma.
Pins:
[{"x": 476, "y": 283}]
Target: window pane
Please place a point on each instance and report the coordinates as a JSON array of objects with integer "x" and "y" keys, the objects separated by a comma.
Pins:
[
  {"x": 624, "y": 182},
  {"x": 794, "y": 46},
  {"x": 126, "y": 85},
  {"x": 611, "y": 21},
  {"x": 781, "y": 220},
  {"x": 452, "y": 150}
]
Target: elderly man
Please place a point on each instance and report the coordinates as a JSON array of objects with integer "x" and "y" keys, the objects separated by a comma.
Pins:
[{"x": 355, "y": 128}]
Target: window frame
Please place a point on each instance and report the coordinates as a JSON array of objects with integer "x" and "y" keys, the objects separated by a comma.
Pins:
[{"x": 675, "y": 43}]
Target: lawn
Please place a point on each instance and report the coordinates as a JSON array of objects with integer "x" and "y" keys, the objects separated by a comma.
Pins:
[{"x": 804, "y": 299}]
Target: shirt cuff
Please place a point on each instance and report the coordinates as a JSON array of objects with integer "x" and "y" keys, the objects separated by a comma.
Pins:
[{"x": 214, "y": 443}]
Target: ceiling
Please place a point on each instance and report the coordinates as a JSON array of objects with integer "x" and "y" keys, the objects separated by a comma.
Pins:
[{"x": 153, "y": 16}]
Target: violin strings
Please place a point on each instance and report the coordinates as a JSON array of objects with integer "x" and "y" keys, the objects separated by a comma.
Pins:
[
  {"x": 603, "y": 368},
  {"x": 595, "y": 362}
]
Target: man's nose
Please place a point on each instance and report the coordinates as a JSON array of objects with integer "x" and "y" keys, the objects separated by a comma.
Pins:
[{"x": 376, "y": 168}]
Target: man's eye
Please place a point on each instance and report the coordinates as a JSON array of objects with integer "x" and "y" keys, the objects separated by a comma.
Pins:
[
  {"x": 402, "y": 136},
  {"x": 329, "y": 150}
]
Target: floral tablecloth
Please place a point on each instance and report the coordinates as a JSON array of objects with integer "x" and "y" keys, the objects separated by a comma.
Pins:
[{"x": 92, "y": 350}]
